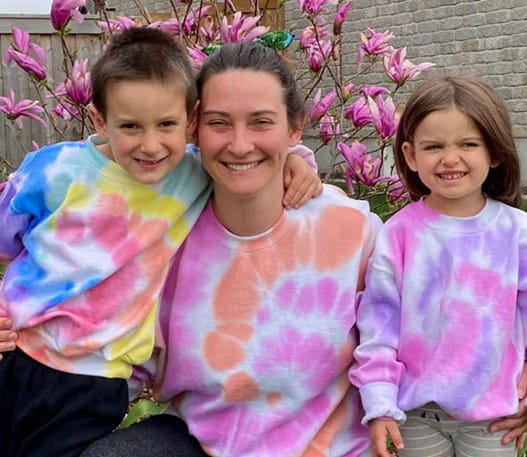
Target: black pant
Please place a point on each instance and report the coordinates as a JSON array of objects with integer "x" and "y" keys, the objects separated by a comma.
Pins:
[
  {"x": 157, "y": 436},
  {"x": 49, "y": 413}
]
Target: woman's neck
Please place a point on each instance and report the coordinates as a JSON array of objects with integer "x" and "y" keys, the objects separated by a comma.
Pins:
[{"x": 248, "y": 216}]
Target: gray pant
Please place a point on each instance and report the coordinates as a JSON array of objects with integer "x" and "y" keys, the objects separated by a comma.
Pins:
[
  {"x": 430, "y": 432},
  {"x": 157, "y": 436}
]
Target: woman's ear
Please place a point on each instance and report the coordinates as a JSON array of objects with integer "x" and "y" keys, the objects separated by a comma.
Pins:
[
  {"x": 98, "y": 121},
  {"x": 409, "y": 155},
  {"x": 295, "y": 132},
  {"x": 192, "y": 124}
]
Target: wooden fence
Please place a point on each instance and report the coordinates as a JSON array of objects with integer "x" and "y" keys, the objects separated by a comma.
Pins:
[{"x": 85, "y": 38}]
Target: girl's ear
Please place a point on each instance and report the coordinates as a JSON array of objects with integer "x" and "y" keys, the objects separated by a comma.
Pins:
[
  {"x": 98, "y": 121},
  {"x": 409, "y": 155}
]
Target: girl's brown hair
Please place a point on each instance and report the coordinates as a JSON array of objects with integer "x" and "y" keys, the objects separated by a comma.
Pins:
[{"x": 483, "y": 105}]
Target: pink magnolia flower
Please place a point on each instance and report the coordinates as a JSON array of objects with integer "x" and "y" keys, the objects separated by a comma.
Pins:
[
  {"x": 28, "y": 56},
  {"x": 340, "y": 16},
  {"x": 311, "y": 36},
  {"x": 24, "y": 108},
  {"x": 316, "y": 48},
  {"x": 241, "y": 28},
  {"x": 321, "y": 105},
  {"x": 328, "y": 128},
  {"x": 359, "y": 113},
  {"x": 397, "y": 190},
  {"x": 360, "y": 166},
  {"x": 315, "y": 7},
  {"x": 347, "y": 91},
  {"x": 189, "y": 24},
  {"x": 373, "y": 91},
  {"x": 197, "y": 57},
  {"x": 398, "y": 69},
  {"x": 384, "y": 114},
  {"x": 374, "y": 44},
  {"x": 65, "y": 110},
  {"x": 77, "y": 86},
  {"x": 116, "y": 25},
  {"x": 64, "y": 10}
]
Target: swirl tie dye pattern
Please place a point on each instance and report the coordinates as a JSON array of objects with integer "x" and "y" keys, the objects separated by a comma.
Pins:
[
  {"x": 88, "y": 248},
  {"x": 444, "y": 315},
  {"x": 260, "y": 332}
]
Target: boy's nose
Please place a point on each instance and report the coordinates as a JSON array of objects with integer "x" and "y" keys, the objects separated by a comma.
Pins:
[{"x": 150, "y": 143}]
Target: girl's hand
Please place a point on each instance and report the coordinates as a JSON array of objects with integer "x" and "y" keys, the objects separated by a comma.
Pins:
[
  {"x": 300, "y": 181},
  {"x": 380, "y": 429},
  {"x": 7, "y": 336},
  {"x": 516, "y": 423}
]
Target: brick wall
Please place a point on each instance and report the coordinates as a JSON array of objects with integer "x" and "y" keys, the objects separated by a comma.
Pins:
[{"x": 481, "y": 37}]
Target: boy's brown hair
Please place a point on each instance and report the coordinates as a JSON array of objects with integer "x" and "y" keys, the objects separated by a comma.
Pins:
[
  {"x": 483, "y": 105},
  {"x": 142, "y": 54}
]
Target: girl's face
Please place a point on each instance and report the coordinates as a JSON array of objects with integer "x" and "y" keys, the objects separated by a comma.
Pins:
[
  {"x": 244, "y": 133},
  {"x": 451, "y": 158}
]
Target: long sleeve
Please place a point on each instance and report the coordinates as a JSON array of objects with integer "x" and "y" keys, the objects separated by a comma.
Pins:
[
  {"x": 13, "y": 223},
  {"x": 376, "y": 371}
]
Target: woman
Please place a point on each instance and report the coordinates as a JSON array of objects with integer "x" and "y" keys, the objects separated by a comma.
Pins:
[{"x": 257, "y": 317}]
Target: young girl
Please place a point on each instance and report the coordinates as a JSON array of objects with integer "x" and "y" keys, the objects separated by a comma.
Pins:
[{"x": 443, "y": 319}]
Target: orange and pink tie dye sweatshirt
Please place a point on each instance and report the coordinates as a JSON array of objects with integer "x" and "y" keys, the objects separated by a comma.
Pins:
[{"x": 259, "y": 332}]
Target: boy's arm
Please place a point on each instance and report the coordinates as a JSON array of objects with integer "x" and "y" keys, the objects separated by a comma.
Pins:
[
  {"x": 13, "y": 224},
  {"x": 301, "y": 180}
]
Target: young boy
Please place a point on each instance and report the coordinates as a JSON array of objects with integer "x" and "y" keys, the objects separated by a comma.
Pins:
[{"x": 88, "y": 229}]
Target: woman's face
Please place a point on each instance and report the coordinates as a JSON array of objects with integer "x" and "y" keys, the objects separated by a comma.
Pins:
[{"x": 244, "y": 133}]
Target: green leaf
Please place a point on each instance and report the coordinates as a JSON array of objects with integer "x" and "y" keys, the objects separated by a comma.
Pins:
[{"x": 141, "y": 410}]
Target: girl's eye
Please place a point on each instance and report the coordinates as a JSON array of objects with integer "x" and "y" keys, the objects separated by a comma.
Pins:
[
  {"x": 469, "y": 145},
  {"x": 432, "y": 147},
  {"x": 168, "y": 124}
]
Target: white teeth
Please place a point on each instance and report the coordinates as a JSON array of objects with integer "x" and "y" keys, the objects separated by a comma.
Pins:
[
  {"x": 149, "y": 162},
  {"x": 452, "y": 176},
  {"x": 241, "y": 166}
]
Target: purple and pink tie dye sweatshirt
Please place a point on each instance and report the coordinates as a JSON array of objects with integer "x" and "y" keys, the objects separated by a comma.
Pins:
[
  {"x": 444, "y": 315},
  {"x": 87, "y": 248},
  {"x": 260, "y": 332}
]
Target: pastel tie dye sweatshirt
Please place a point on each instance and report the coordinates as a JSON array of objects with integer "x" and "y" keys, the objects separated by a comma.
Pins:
[
  {"x": 260, "y": 332},
  {"x": 88, "y": 248},
  {"x": 444, "y": 314}
]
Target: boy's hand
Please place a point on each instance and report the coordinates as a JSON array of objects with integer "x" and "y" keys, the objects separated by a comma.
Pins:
[
  {"x": 300, "y": 181},
  {"x": 7, "y": 336},
  {"x": 380, "y": 429}
]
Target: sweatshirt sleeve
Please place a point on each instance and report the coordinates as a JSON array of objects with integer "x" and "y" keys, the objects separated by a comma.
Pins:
[
  {"x": 13, "y": 221},
  {"x": 376, "y": 371},
  {"x": 306, "y": 153},
  {"x": 522, "y": 286}
]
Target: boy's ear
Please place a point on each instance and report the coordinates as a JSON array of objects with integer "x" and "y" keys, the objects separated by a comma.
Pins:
[
  {"x": 192, "y": 123},
  {"x": 409, "y": 155},
  {"x": 98, "y": 121}
]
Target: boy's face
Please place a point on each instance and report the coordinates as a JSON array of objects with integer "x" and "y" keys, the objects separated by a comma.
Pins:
[{"x": 146, "y": 127}]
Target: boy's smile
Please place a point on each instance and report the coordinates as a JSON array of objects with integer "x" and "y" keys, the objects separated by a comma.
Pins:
[{"x": 146, "y": 127}]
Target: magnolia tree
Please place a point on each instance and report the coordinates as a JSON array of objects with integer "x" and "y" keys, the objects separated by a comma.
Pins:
[{"x": 354, "y": 123}]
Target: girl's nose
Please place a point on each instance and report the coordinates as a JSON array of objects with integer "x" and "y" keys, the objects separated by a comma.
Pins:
[{"x": 450, "y": 156}]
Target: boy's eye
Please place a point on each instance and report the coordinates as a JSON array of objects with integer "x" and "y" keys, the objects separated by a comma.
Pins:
[{"x": 128, "y": 125}]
